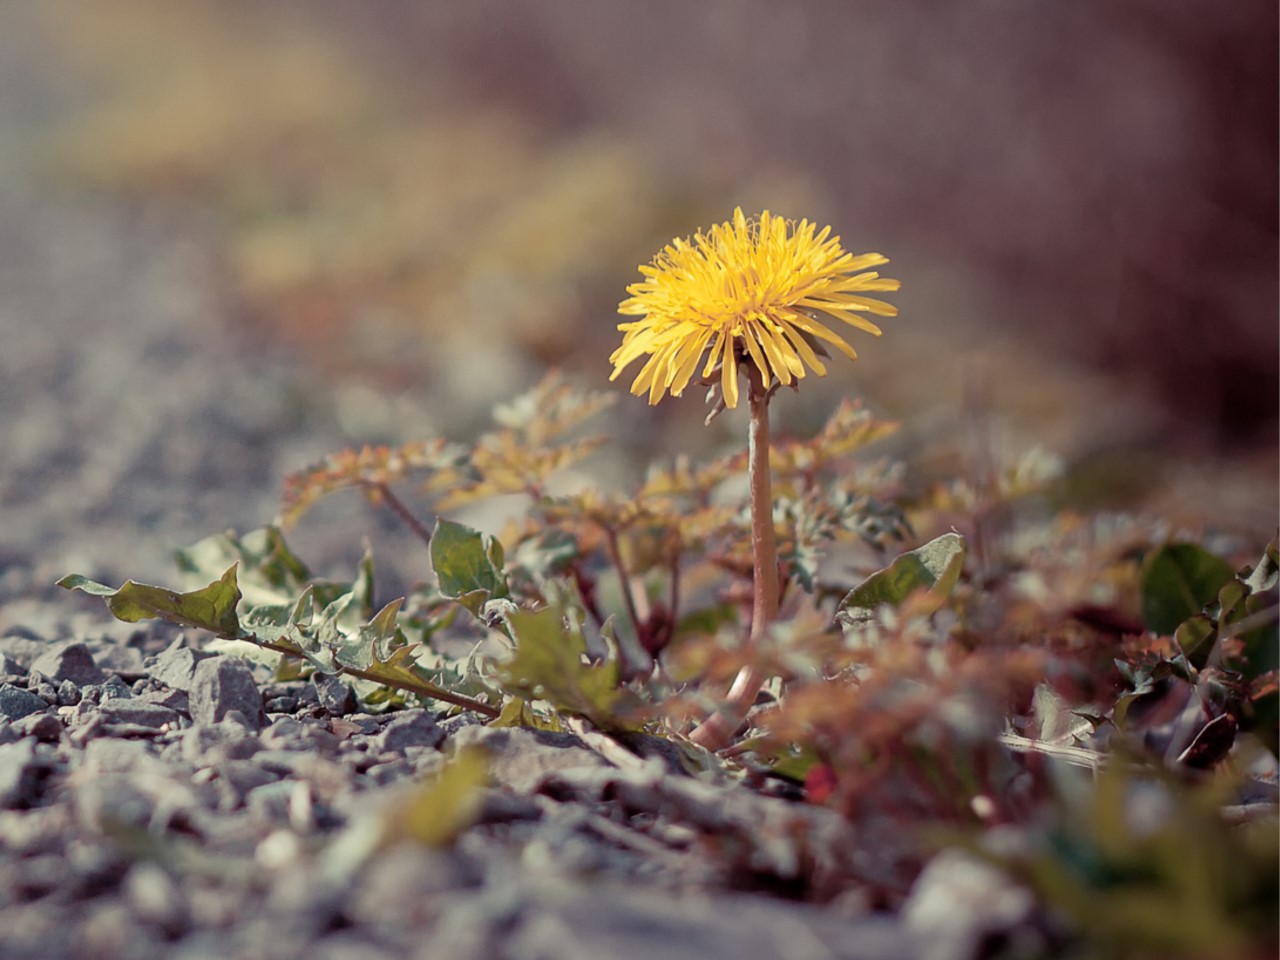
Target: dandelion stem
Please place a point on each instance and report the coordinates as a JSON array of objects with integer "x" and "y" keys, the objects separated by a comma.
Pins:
[{"x": 718, "y": 729}]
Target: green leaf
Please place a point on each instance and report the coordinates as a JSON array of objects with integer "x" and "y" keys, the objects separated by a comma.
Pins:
[
  {"x": 1196, "y": 636},
  {"x": 548, "y": 664},
  {"x": 468, "y": 564},
  {"x": 519, "y": 713},
  {"x": 374, "y": 641},
  {"x": 934, "y": 567},
  {"x": 1178, "y": 581},
  {"x": 1266, "y": 575},
  {"x": 270, "y": 572},
  {"x": 210, "y": 608}
]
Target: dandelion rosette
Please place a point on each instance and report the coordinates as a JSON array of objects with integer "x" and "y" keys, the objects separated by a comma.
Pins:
[{"x": 746, "y": 290}]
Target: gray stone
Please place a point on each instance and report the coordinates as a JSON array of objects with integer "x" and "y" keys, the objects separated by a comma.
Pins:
[
  {"x": 242, "y": 776},
  {"x": 138, "y": 712},
  {"x": 155, "y": 899},
  {"x": 23, "y": 767},
  {"x": 176, "y": 666},
  {"x": 522, "y": 759},
  {"x": 39, "y": 684},
  {"x": 16, "y": 703},
  {"x": 212, "y": 743},
  {"x": 590, "y": 923},
  {"x": 960, "y": 902},
  {"x": 44, "y": 727},
  {"x": 173, "y": 699},
  {"x": 335, "y": 695},
  {"x": 68, "y": 694},
  {"x": 113, "y": 688},
  {"x": 223, "y": 684},
  {"x": 285, "y": 733},
  {"x": 114, "y": 755},
  {"x": 269, "y": 803},
  {"x": 10, "y": 667},
  {"x": 111, "y": 802},
  {"x": 412, "y": 728},
  {"x": 69, "y": 661}
]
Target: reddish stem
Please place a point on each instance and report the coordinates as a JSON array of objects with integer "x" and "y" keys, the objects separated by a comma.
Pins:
[{"x": 717, "y": 730}]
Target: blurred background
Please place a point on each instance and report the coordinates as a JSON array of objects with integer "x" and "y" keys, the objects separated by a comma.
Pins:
[{"x": 235, "y": 236}]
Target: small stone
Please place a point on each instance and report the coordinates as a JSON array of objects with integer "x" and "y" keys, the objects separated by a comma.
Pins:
[
  {"x": 335, "y": 695},
  {"x": 173, "y": 699},
  {"x": 114, "y": 689},
  {"x": 16, "y": 703},
  {"x": 412, "y": 728},
  {"x": 223, "y": 684},
  {"x": 243, "y": 776},
  {"x": 138, "y": 712},
  {"x": 69, "y": 661},
  {"x": 285, "y": 704},
  {"x": 176, "y": 666},
  {"x": 68, "y": 694},
  {"x": 959, "y": 902},
  {"x": 10, "y": 667},
  {"x": 156, "y": 899},
  {"x": 523, "y": 759},
  {"x": 212, "y": 743},
  {"x": 44, "y": 727},
  {"x": 113, "y": 755},
  {"x": 22, "y": 771},
  {"x": 384, "y": 774},
  {"x": 42, "y": 687},
  {"x": 112, "y": 801},
  {"x": 269, "y": 803},
  {"x": 285, "y": 733}
]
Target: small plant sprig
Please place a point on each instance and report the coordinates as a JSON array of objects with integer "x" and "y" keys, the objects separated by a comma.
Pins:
[{"x": 927, "y": 699}]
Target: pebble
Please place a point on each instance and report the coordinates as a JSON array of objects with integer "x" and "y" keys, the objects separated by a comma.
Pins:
[
  {"x": 44, "y": 727},
  {"x": 176, "y": 666},
  {"x": 213, "y": 743},
  {"x": 221, "y": 685},
  {"x": 23, "y": 766},
  {"x": 412, "y": 728},
  {"x": 16, "y": 703},
  {"x": 68, "y": 693},
  {"x": 523, "y": 759},
  {"x": 69, "y": 661},
  {"x": 111, "y": 803},
  {"x": 138, "y": 712},
  {"x": 335, "y": 695},
  {"x": 113, "y": 688}
]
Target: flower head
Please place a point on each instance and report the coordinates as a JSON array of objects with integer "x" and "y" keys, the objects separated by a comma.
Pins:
[{"x": 746, "y": 290}]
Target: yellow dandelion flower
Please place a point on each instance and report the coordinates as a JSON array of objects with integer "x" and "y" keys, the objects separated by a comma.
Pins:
[{"x": 746, "y": 289}]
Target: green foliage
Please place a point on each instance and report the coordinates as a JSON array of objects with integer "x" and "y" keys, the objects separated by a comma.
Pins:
[
  {"x": 550, "y": 663},
  {"x": 914, "y": 686},
  {"x": 933, "y": 568},
  {"x": 468, "y": 565},
  {"x": 211, "y": 608},
  {"x": 1146, "y": 867},
  {"x": 1179, "y": 579}
]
